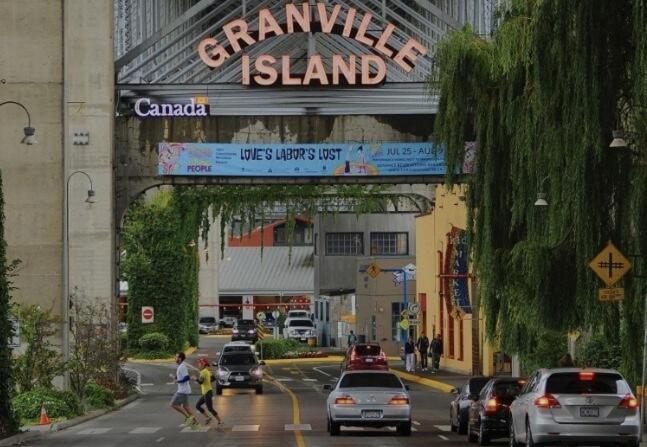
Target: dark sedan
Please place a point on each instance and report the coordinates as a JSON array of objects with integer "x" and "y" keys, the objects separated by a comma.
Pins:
[
  {"x": 489, "y": 415},
  {"x": 239, "y": 369},
  {"x": 459, "y": 407},
  {"x": 244, "y": 330}
]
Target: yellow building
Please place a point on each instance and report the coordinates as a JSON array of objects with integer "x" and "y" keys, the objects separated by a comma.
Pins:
[{"x": 447, "y": 289}]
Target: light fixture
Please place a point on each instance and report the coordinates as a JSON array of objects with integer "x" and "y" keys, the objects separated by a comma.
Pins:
[
  {"x": 90, "y": 198},
  {"x": 30, "y": 136},
  {"x": 618, "y": 141},
  {"x": 541, "y": 199}
]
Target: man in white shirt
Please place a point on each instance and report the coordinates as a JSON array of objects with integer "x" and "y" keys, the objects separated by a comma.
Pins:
[{"x": 180, "y": 400}]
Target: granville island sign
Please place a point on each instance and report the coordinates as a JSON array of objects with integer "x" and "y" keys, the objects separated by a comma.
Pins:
[
  {"x": 144, "y": 108},
  {"x": 311, "y": 18}
]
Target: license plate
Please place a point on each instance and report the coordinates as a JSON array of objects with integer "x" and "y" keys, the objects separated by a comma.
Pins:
[
  {"x": 371, "y": 414},
  {"x": 239, "y": 378},
  {"x": 369, "y": 360},
  {"x": 589, "y": 412}
]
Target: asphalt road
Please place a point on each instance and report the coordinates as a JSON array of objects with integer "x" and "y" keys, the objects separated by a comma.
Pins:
[{"x": 293, "y": 395}]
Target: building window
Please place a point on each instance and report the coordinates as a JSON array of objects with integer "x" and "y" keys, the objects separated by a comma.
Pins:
[
  {"x": 327, "y": 311},
  {"x": 344, "y": 244},
  {"x": 389, "y": 244},
  {"x": 395, "y": 321},
  {"x": 301, "y": 235}
]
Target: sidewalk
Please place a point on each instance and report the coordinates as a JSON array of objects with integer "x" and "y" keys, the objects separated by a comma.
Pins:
[{"x": 442, "y": 380}]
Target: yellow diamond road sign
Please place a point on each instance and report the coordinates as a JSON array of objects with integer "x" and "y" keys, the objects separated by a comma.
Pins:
[
  {"x": 373, "y": 270},
  {"x": 610, "y": 265}
]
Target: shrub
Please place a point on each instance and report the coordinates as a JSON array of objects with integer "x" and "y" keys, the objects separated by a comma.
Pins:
[
  {"x": 154, "y": 342},
  {"x": 275, "y": 349},
  {"x": 98, "y": 396},
  {"x": 58, "y": 403},
  {"x": 600, "y": 352}
]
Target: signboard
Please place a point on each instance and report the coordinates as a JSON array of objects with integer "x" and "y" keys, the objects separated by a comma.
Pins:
[
  {"x": 300, "y": 160},
  {"x": 144, "y": 107},
  {"x": 414, "y": 322},
  {"x": 610, "y": 265},
  {"x": 14, "y": 340},
  {"x": 611, "y": 294},
  {"x": 148, "y": 314},
  {"x": 456, "y": 271},
  {"x": 404, "y": 324},
  {"x": 266, "y": 70},
  {"x": 373, "y": 270},
  {"x": 276, "y": 314},
  {"x": 414, "y": 308},
  {"x": 349, "y": 318},
  {"x": 411, "y": 274}
]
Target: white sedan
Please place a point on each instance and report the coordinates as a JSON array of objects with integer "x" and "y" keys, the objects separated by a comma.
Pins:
[{"x": 369, "y": 399}]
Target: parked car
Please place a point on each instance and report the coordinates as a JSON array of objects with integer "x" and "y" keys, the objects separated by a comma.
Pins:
[
  {"x": 227, "y": 321},
  {"x": 300, "y": 314},
  {"x": 244, "y": 330},
  {"x": 299, "y": 329},
  {"x": 238, "y": 346},
  {"x": 489, "y": 415},
  {"x": 239, "y": 369},
  {"x": 575, "y": 406},
  {"x": 368, "y": 399},
  {"x": 365, "y": 356},
  {"x": 207, "y": 325},
  {"x": 459, "y": 407}
]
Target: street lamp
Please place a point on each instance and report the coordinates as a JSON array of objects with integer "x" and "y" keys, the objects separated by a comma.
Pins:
[
  {"x": 66, "y": 265},
  {"x": 541, "y": 195},
  {"x": 29, "y": 132}
]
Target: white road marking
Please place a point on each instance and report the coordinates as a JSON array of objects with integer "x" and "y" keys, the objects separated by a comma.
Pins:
[
  {"x": 300, "y": 427},
  {"x": 443, "y": 427},
  {"x": 144, "y": 430},
  {"x": 94, "y": 431},
  {"x": 284, "y": 379},
  {"x": 416, "y": 423},
  {"x": 444, "y": 438},
  {"x": 160, "y": 439},
  {"x": 310, "y": 380},
  {"x": 333, "y": 379},
  {"x": 245, "y": 428},
  {"x": 146, "y": 384},
  {"x": 414, "y": 429},
  {"x": 322, "y": 372}
]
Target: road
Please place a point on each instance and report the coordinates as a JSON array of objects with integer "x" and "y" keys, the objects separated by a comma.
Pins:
[{"x": 294, "y": 399}]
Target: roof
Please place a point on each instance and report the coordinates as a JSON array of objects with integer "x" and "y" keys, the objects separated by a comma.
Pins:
[{"x": 243, "y": 271}]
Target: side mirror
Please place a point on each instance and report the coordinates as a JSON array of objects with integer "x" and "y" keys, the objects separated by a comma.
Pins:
[
  {"x": 262, "y": 363},
  {"x": 407, "y": 387},
  {"x": 327, "y": 387}
]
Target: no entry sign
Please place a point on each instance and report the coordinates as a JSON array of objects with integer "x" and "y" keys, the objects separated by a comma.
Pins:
[{"x": 148, "y": 314}]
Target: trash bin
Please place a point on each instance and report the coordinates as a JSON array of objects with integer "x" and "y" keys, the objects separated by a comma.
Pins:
[
  {"x": 312, "y": 341},
  {"x": 361, "y": 338}
]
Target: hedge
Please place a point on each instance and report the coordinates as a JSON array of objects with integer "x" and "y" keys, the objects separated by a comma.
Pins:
[
  {"x": 275, "y": 349},
  {"x": 97, "y": 396},
  {"x": 155, "y": 341},
  {"x": 58, "y": 403}
]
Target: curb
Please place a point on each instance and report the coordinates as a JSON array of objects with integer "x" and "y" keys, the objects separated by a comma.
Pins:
[
  {"x": 32, "y": 435},
  {"x": 187, "y": 352},
  {"x": 441, "y": 386}
]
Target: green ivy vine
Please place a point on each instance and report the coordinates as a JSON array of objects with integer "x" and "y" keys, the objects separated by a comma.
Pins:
[{"x": 541, "y": 97}]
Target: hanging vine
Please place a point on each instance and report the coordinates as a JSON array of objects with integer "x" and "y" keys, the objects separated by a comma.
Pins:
[{"x": 541, "y": 97}]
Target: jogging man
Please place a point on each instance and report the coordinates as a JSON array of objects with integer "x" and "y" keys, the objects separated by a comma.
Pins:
[
  {"x": 180, "y": 400},
  {"x": 204, "y": 379}
]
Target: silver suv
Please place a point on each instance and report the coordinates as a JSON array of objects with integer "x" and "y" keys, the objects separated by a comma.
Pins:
[{"x": 575, "y": 406}]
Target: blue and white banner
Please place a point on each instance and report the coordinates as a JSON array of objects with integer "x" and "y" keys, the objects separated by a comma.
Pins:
[{"x": 300, "y": 160}]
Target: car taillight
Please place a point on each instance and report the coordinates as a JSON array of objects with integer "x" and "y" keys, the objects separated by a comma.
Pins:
[
  {"x": 629, "y": 402},
  {"x": 491, "y": 406},
  {"x": 586, "y": 376},
  {"x": 547, "y": 401},
  {"x": 399, "y": 400},
  {"x": 344, "y": 400}
]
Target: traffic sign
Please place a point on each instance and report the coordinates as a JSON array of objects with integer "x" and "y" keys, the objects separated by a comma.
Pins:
[
  {"x": 260, "y": 316},
  {"x": 414, "y": 322},
  {"x": 373, "y": 270},
  {"x": 276, "y": 314},
  {"x": 148, "y": 314},
  {"x": 610, "y": 265},
  {"x": 414, "y": 308},
  {"x": 611, "y": 294},
  {"x": 404, "y": 324}
]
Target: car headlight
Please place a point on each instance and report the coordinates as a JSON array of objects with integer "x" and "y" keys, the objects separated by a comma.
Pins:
[
  {"x": 223, "y": 373},
  {"x": 251, "y": 331},
  {"x": 256, "y": 372},
  {"x": 234, "y": 331}
]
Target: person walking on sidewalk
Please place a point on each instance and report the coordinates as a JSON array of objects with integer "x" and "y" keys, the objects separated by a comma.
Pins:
[
  {"x": 204, "y": 379},
  {"x": 436, "y": 352},
  {"x": 410, "y": 355},
  {"x": 180, "y": 400},
  {"x": 423, "y": 348},
  {"x": 352, "y": 338}
]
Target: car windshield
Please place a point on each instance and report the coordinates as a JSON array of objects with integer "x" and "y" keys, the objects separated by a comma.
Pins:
[
  {"x": 366, "y": 380},
  {"x": 476, "y": 385},
  {"x": 207, "y": 320},
  {"x": 586, "y": 383},
  {"x": 245, "y": 323},
  {"x": 237, "y": 359},
  {"x": 507, "y": 389},
  {"x": 298, "y": 314},
  {"x": 295, "y": 323},
  {"x": 238, "y": 348},
  {"x": 368, "y": 349}
]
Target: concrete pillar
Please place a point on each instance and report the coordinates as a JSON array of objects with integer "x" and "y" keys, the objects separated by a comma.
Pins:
[{"x": 208, "y": 274}]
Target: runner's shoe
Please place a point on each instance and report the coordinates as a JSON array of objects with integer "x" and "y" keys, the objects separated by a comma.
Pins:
[{"x": 207, "y": 420}]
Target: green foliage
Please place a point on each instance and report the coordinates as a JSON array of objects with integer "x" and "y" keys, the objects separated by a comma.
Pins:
[
  {"x": 601, "y": 352},
  {"x": 58, "y": 403},
  {"x": 550, "y": 347},
  {"x": 40, "y": 362},
  {"x": 154, "y": 341},
  {"x": 97, "y": 396},
  {"x": 541, "y": 98},
  {"x": 8, "y": 420},
  {"x": 275, "y": 349}
]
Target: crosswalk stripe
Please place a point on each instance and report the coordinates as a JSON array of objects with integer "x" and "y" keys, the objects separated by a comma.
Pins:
[
  {"x": 144, "y": 430},
  {"x": 444, "y": 438},
  {"x": 284, "y": 379},
  {"x": 299, "y": 427},
  {"x": 195, "y": 429},
  {"x": 416, "y": 423},
  {"x": 245, "y": 428},
  {"x": 443, "y": 427},
  {"x": 310, "y": 380},
  {"x": 160, "y": 439},
  {"x": 94, "y": 431}
]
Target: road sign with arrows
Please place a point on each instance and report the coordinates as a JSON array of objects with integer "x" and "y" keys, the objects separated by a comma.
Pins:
[{"x": 610, "y": 265}]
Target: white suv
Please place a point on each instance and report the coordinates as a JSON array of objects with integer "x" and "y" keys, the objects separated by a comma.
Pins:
[{"x": 299, "y": 329}]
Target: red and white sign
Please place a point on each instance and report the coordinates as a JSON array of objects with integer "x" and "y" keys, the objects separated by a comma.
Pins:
[{"x": 148, "y": 314}]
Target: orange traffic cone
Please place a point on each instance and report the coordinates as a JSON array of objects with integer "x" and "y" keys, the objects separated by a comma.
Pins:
[{"x": 44, "y": 419}]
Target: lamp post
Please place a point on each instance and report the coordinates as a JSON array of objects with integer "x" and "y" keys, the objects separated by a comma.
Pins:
[
  {"x": 29, "y": 132},
  {"x": 66, "y": 266}
]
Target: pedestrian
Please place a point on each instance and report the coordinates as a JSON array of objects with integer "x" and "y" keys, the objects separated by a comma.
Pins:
[
  {"x": 566, "y": 361},
  {"x": 423, "y": 348},
  {"x": 436, "y": 352},
  {"x": 204, "y": 379},
  {"x": 410, "y": 355},
  {"x": 352, "y": 339},
  {"x": 180, "y": 400}
]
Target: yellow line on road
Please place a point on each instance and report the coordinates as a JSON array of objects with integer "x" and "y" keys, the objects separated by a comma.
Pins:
[
  {"x": 447, "y": 388},
  {"x": 296, "y": 412}
]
